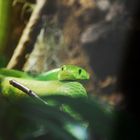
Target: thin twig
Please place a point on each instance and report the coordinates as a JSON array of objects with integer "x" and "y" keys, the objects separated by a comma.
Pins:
[
  {"x": 26, "y": 90},
  {"x": 28, "y": 37}
]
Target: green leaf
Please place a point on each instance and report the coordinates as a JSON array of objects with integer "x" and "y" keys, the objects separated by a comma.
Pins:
[
  {"x": 99, "y": 116},
  {"x": 22, "y": 118}
]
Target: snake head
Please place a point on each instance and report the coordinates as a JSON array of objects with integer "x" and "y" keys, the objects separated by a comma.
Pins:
[{"x": 72, "y": 72}]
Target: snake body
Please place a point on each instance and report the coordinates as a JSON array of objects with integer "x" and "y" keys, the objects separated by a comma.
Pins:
[{"x": 60, "y": 81}]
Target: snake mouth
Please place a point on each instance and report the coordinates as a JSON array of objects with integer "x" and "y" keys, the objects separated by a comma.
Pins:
[
  {"x": 65, "y": 76},
  {"x": 68, "y": 76}
]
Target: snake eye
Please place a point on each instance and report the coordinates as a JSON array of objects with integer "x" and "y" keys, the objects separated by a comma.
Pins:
[
  {"x": 79, "y": 71},
  {"x": 63, "y": 68}
]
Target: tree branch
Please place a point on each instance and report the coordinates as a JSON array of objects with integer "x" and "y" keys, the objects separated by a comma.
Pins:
[
  {"x": 28, "y": 38},
  {"x": 26, "y": 90}
]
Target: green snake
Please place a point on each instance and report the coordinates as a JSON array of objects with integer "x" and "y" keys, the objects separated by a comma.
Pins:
[{"x": 61, "y": 81}]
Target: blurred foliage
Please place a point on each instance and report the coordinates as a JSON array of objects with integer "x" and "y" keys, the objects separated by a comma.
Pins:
[
  {"x": 30, "y": 119},
  {"x": 5, "y": 10},
  {"x": 26, "y": 118},
  {"x": 5, "y": 24}
]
